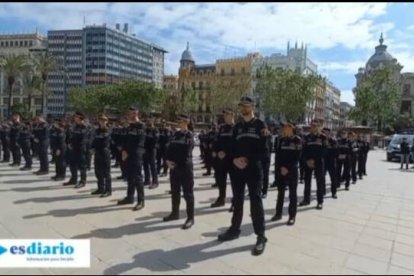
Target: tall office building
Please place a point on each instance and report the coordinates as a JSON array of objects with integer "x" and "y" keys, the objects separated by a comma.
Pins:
[{"x": 101, "y": 55}]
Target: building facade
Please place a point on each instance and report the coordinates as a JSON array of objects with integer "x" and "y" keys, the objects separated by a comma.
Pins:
[
  {"x": 19, "y": 44},
  {"x": 170, "y": 84},
  {"x": 100, "y": 55},
  {"x": 66, "y": 47},
  {"x": 332, "y": 106},
  {"x": 345, "y": 121}
]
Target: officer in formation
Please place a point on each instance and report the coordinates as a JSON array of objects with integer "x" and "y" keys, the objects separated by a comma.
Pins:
[
  {"x": 354, "y": 155},
  {"x": 288, "y": 154},
  {"x": 151, "y": 145},
  {"x": 133, "y": 149},
  {"x": 41, "y": 138},
  {"x": 5, "y": 141},
  {"x": 208, "y": 149},
  {"x": 249, "y": 147},
  {"x": 15, "y": 131},
  {"x": 222, "y": 150},
  {"x": 164, "y": 140},
  {"x": 180, "y": 162},
  {"x": 331, "y": 160},
  {"x": 344, "y": 160},
  {"x": 59, "y": 149},
  {"x": 101, "y": 147},
  {"x": 26, "y": 145}
]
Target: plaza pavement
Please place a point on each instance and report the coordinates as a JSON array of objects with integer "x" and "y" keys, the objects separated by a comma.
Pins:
[{"x": 368, "y": 230}]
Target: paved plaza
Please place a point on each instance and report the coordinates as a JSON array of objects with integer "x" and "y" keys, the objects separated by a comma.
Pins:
[{"x": 368, "y": 230}]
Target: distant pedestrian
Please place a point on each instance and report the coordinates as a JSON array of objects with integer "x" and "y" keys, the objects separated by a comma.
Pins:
[{"x": 405, "y": 153}]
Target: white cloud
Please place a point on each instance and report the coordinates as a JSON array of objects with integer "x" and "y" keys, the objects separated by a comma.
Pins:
[
  {"x": 350, "y": 67},
  {"x": 347, "y": 96}
]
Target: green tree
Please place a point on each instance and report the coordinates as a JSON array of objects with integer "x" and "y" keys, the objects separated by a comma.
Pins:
[
  {"x": 32, "y": 86},
  {"x": 45, "y": 63},
  {"x": 12, "y": 67},
  {"x": 377, "y": 98},
  {"x": 117, "y": 97},
  {"x": 285, "y": 92}
]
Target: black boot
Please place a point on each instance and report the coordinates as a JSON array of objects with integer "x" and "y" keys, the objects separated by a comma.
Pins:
[
  {"x": 260, "y": 246},
  {"x": 219, "y": 203}
]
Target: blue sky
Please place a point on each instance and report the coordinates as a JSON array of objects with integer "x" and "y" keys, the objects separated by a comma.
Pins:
[{"x": 340, "y": 36}]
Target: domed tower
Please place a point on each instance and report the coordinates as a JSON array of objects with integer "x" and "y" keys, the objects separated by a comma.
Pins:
[
  {"x": 187, "y": 60},
  {"x": 382, "y": 58}
]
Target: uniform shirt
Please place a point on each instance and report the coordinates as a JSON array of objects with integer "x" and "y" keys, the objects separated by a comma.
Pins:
[
  {"x": 344, "y": 149},
  {"x": 53, "y": 138},
  {"x": 249, "y": 140},
  {"x": 180, "y": 149},
  {"x": 5, "y": 133},
  {"x": 102, "y": 140},
  {"x": 165, "y": 137},
  {"x": 58, "y": 136},
  {"x": 354, "y": 148},
  {"x": 364, "y": 147},
  {"x": 211, "y": 137},
  {"x": 91, "y": 134},
  {"x": 134, "y": 139},
  {"x": 332, "y": 149},
  {"x": 268, "y": 146},
  {"x": 288, "y": 151},
  {"x": 223, "y": 141},
  {"x": 15, "y": 132},
  {"x": 25, "y": 134},
  {"x": 405, "y": 147},
  {"x": 79, "y": 138},
  {"x": 314, "y": 147},
  {"x": 152, "y": 137},
  {"x": 41, "y": 132}
]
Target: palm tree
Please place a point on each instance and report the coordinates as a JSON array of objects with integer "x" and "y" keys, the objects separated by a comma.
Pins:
[
  {"x": 45, "y": 63},
  {"x": 32, "y": 85},
  {"x": 12, "y": 67}
]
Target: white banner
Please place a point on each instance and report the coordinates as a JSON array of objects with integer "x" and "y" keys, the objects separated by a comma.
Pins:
[{"x": 45, "y": 253}]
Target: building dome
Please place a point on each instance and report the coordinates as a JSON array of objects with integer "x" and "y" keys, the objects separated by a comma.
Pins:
[
  {"x": 381, "y": 56},
  {"x": 187, "y": 55}
]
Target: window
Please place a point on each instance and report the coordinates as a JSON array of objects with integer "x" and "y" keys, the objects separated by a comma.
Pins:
[
  {"x": 243, "y": 70},
  {"x": 193, "y": 85},
  {"x": 5, "y": 100},
  {"x": 222, "y": 72},
  {"x": 407, "y": 90},
  {"x": 16, "y": 101},
  {"x": 1, "y": 44},
  {"x": 232, "y": 71},
  {"x": 31, "y": 43},
  {"x": 25, "y": 43},
  {"x": 21, "y": 43},
  {"x": 200, "y": 85},
  {"x": 7, "y": 44}
]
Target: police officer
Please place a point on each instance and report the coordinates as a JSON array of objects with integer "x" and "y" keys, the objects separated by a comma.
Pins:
[
  {"x": 165, "y": 137},
  {"x": 41, "y": 134},
  {"x": 249, "y": 145},
  {"x": 288, "y": 154},
  {"x": 266, "y": 165},
  {"x": 101, "y": 147},
  {"x": 364, "y": 147},
  {"x": 314, "y": 148},
  {"x": 15, "y": 131},
  {"x": 180, "y": 162},
  {"x": 79, "y": 143},
  {"x": 344, "y": 160},
  {"x": 277, "y": 133},
  {"x": 5, "y": 141},
  {"x": 120, "y": 144},
  {"x": 209, "y": 140},
  {"x": 25, "y": 144},
  {"x": 331, "y": 160},
  {"x": 151, "y": 141},
  {"x": 132, "y": 153},
  {"x": 59, "y": 148},
  {"x": 91, "y": 134},
  {"x": 52, "y": 142},
  {"x": 302, "y": 163},
  {"x": 222, "y": 152},
  {"x": 202, "y": 139},
  {"x": 354, "y": 156}
]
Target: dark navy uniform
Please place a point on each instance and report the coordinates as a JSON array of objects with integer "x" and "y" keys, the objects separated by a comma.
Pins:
[
  {"x": 15, "y": 131},
  {"x": 277, "y": 170},
  {"x": 249, "y": 141},
  {"x": 165, "y": 138},
  {"x": 266, "y": 159},
  {"x": 5, "y": 141},
  {"x": 209, "y": 141},
  {"x": 354, "y": 160},
  {"x": 331, "y": 164},
  {"x": 314, "y": 148},
  {"x": 224, "y": 167},
  {"x": 344, "y": 162},
  {"x": 362, "y": 157},
  {"x": 180, "y": 151},
  {"x": 121, "y": 136},
  {"x": 101, "y": 145},
  {"x": 41, "y": 134},
  {"x": 25, "y": 144},
  {"x": 150, "y": 169},
  {"x": 91, "y": 134},
  {"x": 202, "y": 139},
  {"x": 59, "y": 148},
  {"x": 288, "y": 154},
  {"x": 134, "y": 146},
  {"x": 79, "y": 143}
]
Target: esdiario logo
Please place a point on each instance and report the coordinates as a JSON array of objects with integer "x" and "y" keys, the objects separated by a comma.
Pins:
[{"x": 44, "y": 253}]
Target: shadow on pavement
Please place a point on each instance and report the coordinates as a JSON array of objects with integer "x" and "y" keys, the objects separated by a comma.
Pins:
[{"x": 176, "y": 259}]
